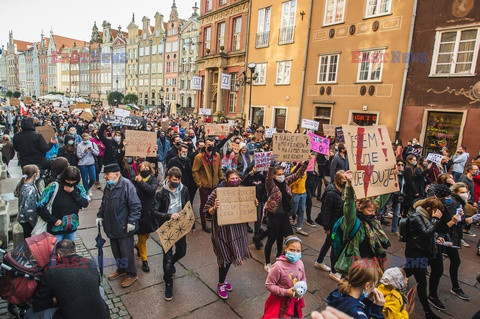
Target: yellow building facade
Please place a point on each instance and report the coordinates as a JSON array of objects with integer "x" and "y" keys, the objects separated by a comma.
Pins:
[
  {"x": 277, "y": 45},
  {"x": 357, "y": 58}
]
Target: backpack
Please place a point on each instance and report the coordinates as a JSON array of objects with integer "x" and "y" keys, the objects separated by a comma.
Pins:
[
  {"x": 338, "y": 243},
  {"x": 403, "y": 229}
]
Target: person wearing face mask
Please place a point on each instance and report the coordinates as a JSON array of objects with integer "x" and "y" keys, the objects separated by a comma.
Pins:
[
  {"x": 129, "y": 168},
  {"x": 99, "y": 159},
  {"x": 357, "y": 296},
  {"x": 119, "y": 213},
  {"x": 339, "y": 161},
  {"x": 86, "y": 152},
  {"x": 459, "y": 161},
  {"x": 278, "y": 207},
  {"x": 394, "y": 289},
  {"x": 331, "y": 211},
  {"x": 369, "y": 241},
  {"x": 471, "y": 170},
  {"x": 27, "y": 194},
  {"x": 419, "y": 176},
  {"x": 72, "y": 131},
  {"x": 114, "y": 148},
  {"x": 409, "y": 188},
  {"x": 146, "y": 185},
  {"x": 285, "y": 273},
  {"x": 206, "y": 172},
  {"x": 182, "y": 162},
  {"x": 170, "y": 200},
  {"x": 163, "y": 146},
  {"x": 69, "y": 150},
  {"x": 173, "y": 151},
  {"x": 230, "y": 242}
]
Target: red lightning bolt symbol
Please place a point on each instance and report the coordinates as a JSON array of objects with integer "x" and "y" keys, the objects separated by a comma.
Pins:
[{"x": 367, "y": 168}]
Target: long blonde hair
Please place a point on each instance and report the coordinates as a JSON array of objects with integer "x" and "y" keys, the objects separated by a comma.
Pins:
[{"x": 360, "y": 273}]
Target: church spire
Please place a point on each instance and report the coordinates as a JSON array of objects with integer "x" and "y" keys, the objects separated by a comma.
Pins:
[{"x": 174, "y": 12}]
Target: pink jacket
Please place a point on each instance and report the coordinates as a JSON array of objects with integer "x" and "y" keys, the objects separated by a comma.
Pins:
[
  {"x": 283, "y": 275},
  {"x": 100, "y": 145}
]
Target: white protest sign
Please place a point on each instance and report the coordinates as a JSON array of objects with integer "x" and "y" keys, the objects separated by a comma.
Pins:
[
  {"x": 206, "y": 112},
  {"x": 269, "y": 132},
  {"x": 226, "y": 78},
  {"x": 371, "y": 159},
  {"x": 310, "y": 124},
  {"x": 121, "y": 112},
  {"x": 435, "y": 158},
  {"x": 197, "y": 83}
]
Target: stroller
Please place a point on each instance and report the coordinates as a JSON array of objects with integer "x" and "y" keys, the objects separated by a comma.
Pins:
[{"x": 22, "y": 269}]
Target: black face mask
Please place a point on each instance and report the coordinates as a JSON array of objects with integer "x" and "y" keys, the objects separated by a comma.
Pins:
[
  {"x": 210, "y": 149},
  {"x": 69, "y": 185},
  {"x": 174, "y": 184},
  {"x": 145, "y": 174}
]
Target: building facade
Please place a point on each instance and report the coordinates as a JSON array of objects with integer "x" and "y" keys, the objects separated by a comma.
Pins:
[
  {"x": 144, "y": 61},
  {"x": 158, "y": 59},
  {"x": 443, "y": 89},
  {"x": 22, "y": 72},
  {"x": 132, "y": 55},
  {"x": 95, "y": 64},
  {"x": 119, "y": 61},
  {"x": 43, "y": 65},
  {"x": 172, "y": 58},
  {"x": 356, "y": 65},
  {"x": 223, "y": 36},
  {"x": 3, "y": 72},
  {"x": 35, "y": 71},
  {"x": 84, "y": 72}
]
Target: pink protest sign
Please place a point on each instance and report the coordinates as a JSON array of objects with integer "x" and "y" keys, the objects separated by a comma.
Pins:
[
  {"x": 319, "y": 144},
  {"x": 311, "y": 165}
]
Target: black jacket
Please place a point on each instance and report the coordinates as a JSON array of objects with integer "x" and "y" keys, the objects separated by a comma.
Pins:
[
  {"x": 422, "y": 238},
  {"x": 114, "y": 152},
  {"x": 162, "y": 203},
  {"x": 338, "y": 163},
  {"x": 186, "y": 167},
  {"x": 74, "y": 281},
  {"x": 146, "y": 193},
  {"x": 30, "y": 145},
  {"x": 257, "y": 180},
  {"x": 454, "y": 233},
  {"x": 409, "y": 187},
  {"x": 332, "y": 206},
  {"x": 172, "y": 152},
  {"x": 120, "y": 206},
  {"x": 323, "y": 165}
]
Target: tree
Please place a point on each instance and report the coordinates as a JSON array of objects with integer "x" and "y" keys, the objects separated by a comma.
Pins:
[
  {"x": 16, "y": 94},
  {"x": 130, "y": 98},
  {"x": 9, "y": 94},
  {"x": 114, "y": 98}
]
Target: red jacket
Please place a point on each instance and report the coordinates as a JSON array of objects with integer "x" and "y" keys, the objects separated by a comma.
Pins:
[{"x": 476, "y": 187}]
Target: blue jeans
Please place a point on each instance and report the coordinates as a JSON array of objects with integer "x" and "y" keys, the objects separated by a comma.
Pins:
[
  {"x": 456, "y": 176},
  {"x": 88, "y": 175},
  {"x": 299, "y": 202},
  {"x": 396, "y": 216},
  {"x": 70, "y": 236}
]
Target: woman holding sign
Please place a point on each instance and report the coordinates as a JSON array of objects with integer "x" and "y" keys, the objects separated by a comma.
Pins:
[{"x": 230, "y": 242}]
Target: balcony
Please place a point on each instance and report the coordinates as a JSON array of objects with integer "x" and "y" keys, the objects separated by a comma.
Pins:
[
  {"x": 286, "y": 35},
  {"x": 262, "y": 39}
]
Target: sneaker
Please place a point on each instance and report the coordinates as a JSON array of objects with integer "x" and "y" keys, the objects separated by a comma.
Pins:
[
  {"x": 302, "y": 232},
  {"x": 228, "y": 286},
  {"x": 267, "y": 267},
  {"x": 90, "y": 193},
  {"x": 168, "y": 292},
  {"x": 89, "y": 198},
  {"x": 335, "y": 276},
  {"x": 145, "y": 266},
  {"x": 311, "y": 223},
  {"x": 435, "y": 302},
  {"x": 258, "y": 243},
  {"x": 322, "y": 266},
  {"x": 222, "y": 292},
  {"x": 97, "y": 185},
  {"x": 469, "y": 233},
  {"x": 127, "y": 282},
  {"x": 460, "y": 294},
  {"x": 116, "y": 275},
  {"x": 464, "y": 243}
]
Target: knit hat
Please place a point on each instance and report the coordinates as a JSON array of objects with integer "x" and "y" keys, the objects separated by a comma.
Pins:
[
  {"x": 442, "y": 191},
  {"x": 111, "y": 168}
]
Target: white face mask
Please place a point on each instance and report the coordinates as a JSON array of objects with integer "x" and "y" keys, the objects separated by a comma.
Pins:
[
  {"x": 465, "y": 196},
  {"x": 118, "y": 139},
  {"x": 280, "y": 178}
]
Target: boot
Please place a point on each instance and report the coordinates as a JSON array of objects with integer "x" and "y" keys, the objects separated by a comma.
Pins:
[{"x": 145, "y": 266}]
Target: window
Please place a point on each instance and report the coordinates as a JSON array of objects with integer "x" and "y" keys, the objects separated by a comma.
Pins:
[
  {"x": 232, "y": 96},
  {"x": 147, "y": 51},
  {"x": 222, "y": 2},
  {"x": 370, "y": 66},
  {"x": 174, "y": 66},
  {"x": 154, "y": 49},
  {"x": 237, "y": 30},
  {"x": 207, "y": 38},
  {"x": 160, "y": 49},
  {"x": 160, "y": 67},
  {"x": 263, "y": 28},
  {"x": 378, "y": 7},
  {"x": 283, "y": 72},
  {"x": 288, "y": 22},
  {"x": 141, "y": 52},
  {"x": 175, "y": 46},
  {"x": 327, "y": 68},
  {"x": 221, "y": 35},
  {"x": 261, "y": 71},
  {"x": 334, "y": 11},
  {"x": 167, "y": 67},
  {"x": 147, "y": 68},
  {"x": 455, "y": 52},
  {"x": 323, "y": 115},
  {"x": 141, "y": 69},
  {"x": 169, "y": 47}
]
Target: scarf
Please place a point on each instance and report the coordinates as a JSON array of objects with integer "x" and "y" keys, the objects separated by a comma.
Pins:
[
  {"x": 286, "y": 198},
  {"x": 377, "y": 238},
  {"x": 422, "y": 212}
]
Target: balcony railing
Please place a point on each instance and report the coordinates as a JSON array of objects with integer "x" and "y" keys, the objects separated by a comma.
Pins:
[
  {"x": 262, "y": 39},
  {"x": 286, "y": 35}
]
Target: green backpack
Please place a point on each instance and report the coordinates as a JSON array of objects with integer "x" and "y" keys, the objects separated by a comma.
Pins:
[{"x": 338, "y": 242}]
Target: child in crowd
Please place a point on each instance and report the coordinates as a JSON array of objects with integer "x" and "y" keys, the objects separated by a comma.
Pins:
[
  {"x": 284, "y": 274},
  {"x": 27, "y": 194},
  {"x": 394, "y": 289}
]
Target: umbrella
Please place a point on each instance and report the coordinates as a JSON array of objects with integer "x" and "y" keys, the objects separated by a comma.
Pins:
[{"x": 99, "y": 244}]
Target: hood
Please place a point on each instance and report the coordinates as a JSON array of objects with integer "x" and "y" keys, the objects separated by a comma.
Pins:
[
  {"x": 332, "y": 188},
  {"x": 27, "y": 124},
  {"x": 345, "y": 303},
  {"x": 179, "y": 188}
]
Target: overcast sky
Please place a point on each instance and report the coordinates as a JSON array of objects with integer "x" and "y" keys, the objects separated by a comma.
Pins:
[{"x": 74, "y": 19}]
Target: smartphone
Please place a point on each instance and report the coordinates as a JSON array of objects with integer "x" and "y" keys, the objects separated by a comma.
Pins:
[{"x": 459, "y": 214}]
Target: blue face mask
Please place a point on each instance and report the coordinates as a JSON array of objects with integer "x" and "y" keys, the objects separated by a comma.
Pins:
[
  {"x": 414, "y": 163},
  {"x": 448, "y": 201},
  {"x": 293, "y": 257},
  {"x": 364, "y": 295},
  {"x": 110, "y": 182}
]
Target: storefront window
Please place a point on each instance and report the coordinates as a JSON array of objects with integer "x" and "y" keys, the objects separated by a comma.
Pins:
[
  {"x": 257, "y": 115},
  {"x": 364, "y": 119},
  {"x": 443, "y": 130}
]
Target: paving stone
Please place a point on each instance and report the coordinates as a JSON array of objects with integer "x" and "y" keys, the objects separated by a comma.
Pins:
[{"x": 218, "y": 309}]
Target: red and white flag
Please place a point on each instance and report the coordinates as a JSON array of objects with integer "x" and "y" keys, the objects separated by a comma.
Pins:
[{"x": 23, "y": 108}]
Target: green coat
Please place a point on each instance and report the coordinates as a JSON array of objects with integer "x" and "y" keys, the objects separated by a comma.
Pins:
[{"x": 351, "y": 251}]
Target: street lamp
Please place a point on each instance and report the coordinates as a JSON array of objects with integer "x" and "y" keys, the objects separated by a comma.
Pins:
[{"x": 249, "y": 80}]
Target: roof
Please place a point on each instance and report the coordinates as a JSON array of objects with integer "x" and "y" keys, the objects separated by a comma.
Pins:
[
  {"x": 22, "y": 45},
  {"x": 66, "y": 42}
]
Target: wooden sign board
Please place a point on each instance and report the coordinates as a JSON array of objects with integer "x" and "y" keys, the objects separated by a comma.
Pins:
[
  {"x": 140, "y": 143},
  {"x": 47, "y": 132},
  {"x": 86, "y": 115},
  {"x": 371, "y": 158},
  {"x": 329, "y": 130},
  {"x": 174, "y": 229},
  {"x": 237, "y": 205},
  {"x": 291, "y": 147},
  {"x": 216, "y": 129}
]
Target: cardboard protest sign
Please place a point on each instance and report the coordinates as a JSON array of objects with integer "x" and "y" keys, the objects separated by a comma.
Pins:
[
  {"x": 329, "y": 130},
  {"x": 269, "y": 132},
  {"x": 216, "y": 129},
  {"x": 83, "y": 106},
  {"x": 14, "y": 102},
  {"x": 235, "y": 147},
  {"x": 140, "y": 143},
  {"x": 28, "y": 101},
  {"x": 121, "y": 112},
  {"x": 184, "y": 124},
  {"x": 435, "y": 158},
  {"x": 311, "y": 165},
  {"x": 291, "y": 147},
  {"x": 47, "y": 132},
  {"x": 206, "y": 112},
  {"x": 86, "y": 115},
  {"x": 174, "y": 229},
  {"x": 237, "y": 205},
  {"x": 133, "y": 121},
  {"x": 319, "y": 144},
  {"x": 371, "y": 159},
  {"x": 339, "y": 136},
  {"x": 411, "y": 296},
  {"x": 262, "y": 160},
  {"x": 310, "y": 124}
]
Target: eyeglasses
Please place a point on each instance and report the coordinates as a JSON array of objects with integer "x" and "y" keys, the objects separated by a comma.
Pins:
[{"x": 260, "y": 131}]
